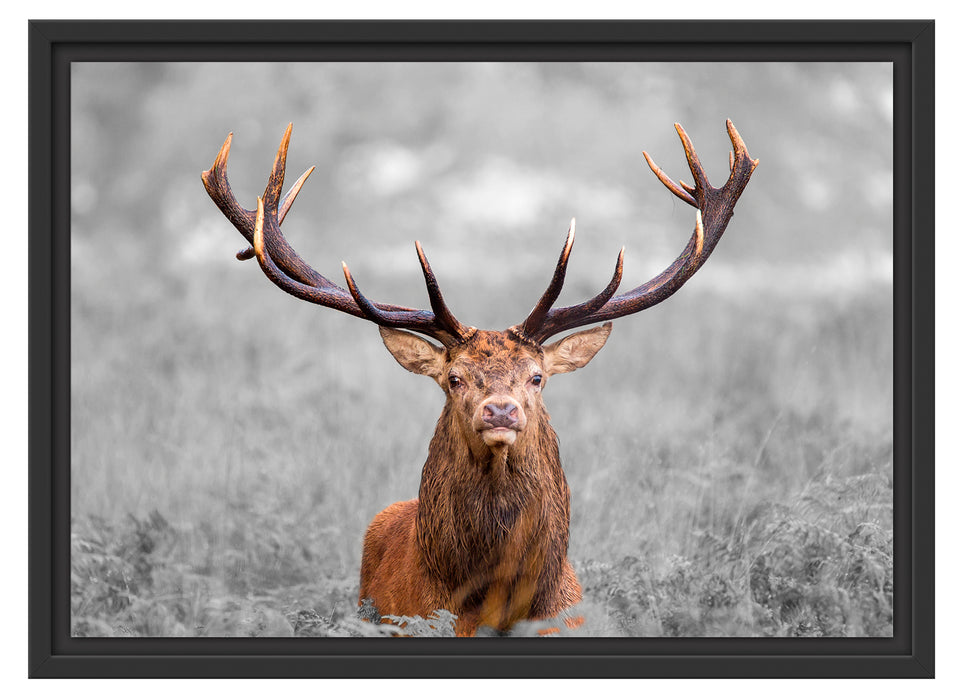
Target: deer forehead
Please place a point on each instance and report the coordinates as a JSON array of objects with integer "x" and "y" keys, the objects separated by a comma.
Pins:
[{"x": 495, "y": 355}]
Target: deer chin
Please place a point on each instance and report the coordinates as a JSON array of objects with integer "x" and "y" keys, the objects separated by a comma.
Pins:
[{"x": 499, "y": 437}]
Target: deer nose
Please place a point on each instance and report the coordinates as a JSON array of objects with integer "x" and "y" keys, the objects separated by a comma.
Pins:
[{"x": 501, "y": 415}]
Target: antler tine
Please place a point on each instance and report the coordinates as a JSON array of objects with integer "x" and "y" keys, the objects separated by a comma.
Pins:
[
  {"x": 714, "y": 209},
  {"x": 666, "y": 180},
  {"x": 441, "y": 311},
  {"x": 699, "y": 237},
  {"x": 291, "y": 195},
  {"x": 538, "y": 314},
  {"x": 218, "y": 187},
  {"x": 271, "y": 194},
  {"x": 738, "y": 160},
  {"x": 695, "y": 167},
  {"x": 369, "y": 309}
]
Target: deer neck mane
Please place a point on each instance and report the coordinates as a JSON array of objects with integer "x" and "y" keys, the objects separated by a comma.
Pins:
[{"x": 476, "y": 511}]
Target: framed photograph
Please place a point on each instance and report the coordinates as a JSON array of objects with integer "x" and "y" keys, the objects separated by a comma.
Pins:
[{"x": 250, "y": 459}]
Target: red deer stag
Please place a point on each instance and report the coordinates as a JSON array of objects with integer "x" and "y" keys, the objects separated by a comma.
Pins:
[{"x": 487, "y": 537}]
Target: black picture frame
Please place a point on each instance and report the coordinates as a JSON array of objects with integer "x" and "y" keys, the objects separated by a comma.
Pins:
[{"x": 54, "y": 45}]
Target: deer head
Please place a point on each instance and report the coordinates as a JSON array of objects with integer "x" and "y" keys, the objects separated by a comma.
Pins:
[
  {"x": 494, "y": 380},
  {"x": 492, "y": 519}
]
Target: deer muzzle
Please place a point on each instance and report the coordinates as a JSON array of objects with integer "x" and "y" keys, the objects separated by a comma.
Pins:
[{"x": 498, "y": 419}]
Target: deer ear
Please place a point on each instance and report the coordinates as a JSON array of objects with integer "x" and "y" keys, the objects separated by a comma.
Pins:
[
  {"x": 414, "y": 353},
  {"x": 576, "y": 350}
]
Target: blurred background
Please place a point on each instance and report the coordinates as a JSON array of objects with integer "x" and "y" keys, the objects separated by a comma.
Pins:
[{"x": 729, "y": 452}]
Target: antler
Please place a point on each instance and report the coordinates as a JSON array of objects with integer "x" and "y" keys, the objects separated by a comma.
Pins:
[
  {"x": 714, "y": 209},
  {"x": 289, "y": 272}
]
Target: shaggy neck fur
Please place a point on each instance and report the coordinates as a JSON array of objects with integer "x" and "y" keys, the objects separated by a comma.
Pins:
[{"x": 494, "y": 519}]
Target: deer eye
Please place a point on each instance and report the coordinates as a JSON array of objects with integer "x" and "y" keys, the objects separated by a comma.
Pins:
[
  {"x": 455, "y": 382},
  {"x": 536, "y": 380}
]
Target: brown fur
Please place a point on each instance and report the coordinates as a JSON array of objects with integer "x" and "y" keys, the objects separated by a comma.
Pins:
[{"x": 488, "y": 535}]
